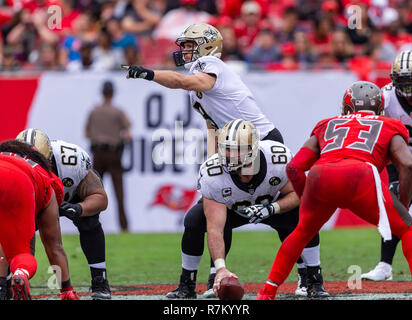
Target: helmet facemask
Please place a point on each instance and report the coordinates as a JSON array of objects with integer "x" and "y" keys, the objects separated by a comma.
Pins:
[
  {"x": 240, "y": 151},
  {"x": 402, "y": 84},
  {"x": 179, "y": 55},
  {"x": 233, "y": 158}
]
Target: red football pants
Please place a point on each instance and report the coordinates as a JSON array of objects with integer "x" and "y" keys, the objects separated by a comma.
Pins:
[
  {"x": 347, "y": 184},
  {"x": 17, "y": 210}
]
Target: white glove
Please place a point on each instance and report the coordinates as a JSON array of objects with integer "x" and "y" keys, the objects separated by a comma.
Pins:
[{"x": 259, "y": 212}]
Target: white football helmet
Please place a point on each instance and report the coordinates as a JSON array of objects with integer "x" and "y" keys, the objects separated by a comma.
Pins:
[
  {"x": 38, "y": 139},
  {"x": 238, "y": 144}
]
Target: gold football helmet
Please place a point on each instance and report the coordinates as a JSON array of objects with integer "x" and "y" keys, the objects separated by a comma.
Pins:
[
  {"x": 38, "y": 139},
  {"x": 207, "y": 42},
  {"x": 401, "y": 74},
  {"x": 238, "y": 144}
]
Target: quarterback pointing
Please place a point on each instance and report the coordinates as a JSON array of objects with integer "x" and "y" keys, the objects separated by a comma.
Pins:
[
  {"x": 84, "y": 199},
  {"x": 216, "y": 92}
]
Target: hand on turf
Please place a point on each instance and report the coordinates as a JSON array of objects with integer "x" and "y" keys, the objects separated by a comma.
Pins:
[
  {"x": 220, "y": 274},
  {"x": 73, "y": 211},
  {"x": 258, "y": 212},
  {"x": 69, "y": 295}
]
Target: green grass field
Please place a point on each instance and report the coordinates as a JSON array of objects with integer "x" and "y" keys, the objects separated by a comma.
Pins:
[{"x": 155, "y": 258}]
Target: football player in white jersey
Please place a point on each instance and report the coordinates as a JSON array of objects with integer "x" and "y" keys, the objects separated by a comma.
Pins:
[
  {"x": 84, "y": 199},
  {"x": 245, "y": 182},
  {"x": 398, "y": 105},
  {"x": 216, "y": 92}
]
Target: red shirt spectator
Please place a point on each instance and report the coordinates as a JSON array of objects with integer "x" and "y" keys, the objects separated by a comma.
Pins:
[
  {"x": 398, "y": 39},
  {"x": 288, "y": 62},
  {"x": 33, "y": 5},
  {"x": 321, "y": 36},
  {"x": 233, "y": 8},
  {"x": 248, "y": 26},
  {"x": 69, "y": 16}
]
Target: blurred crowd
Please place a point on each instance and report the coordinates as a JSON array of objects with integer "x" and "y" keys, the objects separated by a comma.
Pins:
[{"x": 361, "y": 35}]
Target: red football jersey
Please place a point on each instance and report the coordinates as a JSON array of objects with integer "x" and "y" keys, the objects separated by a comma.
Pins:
[
  {"x": 360, "y": 136},
  {"x": 40, "y": 178}
]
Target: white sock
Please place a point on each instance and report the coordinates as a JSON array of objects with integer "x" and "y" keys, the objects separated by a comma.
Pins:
[
  {"x": 190, "y": 262},
  {"x": 311, "y": 256},
  {"x": 100, "y": 265}
]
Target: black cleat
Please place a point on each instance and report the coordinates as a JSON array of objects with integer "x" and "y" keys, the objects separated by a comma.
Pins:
[
  {"x": 185, "y": 290},
  {"x": 100, "y": 289},
  {"x": 315, "y": 286},
  {"x": 301, "y": 289},
  {"x": 209, "y": 293}
]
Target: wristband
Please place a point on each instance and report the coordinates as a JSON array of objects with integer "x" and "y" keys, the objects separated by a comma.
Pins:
[
  {"x": 219, "y": 263},
  {"x": 150, "y": 74},
  {"x": 276, "y": 207}
]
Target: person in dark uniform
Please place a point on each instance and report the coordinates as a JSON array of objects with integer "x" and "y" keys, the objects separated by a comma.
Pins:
[{"x": 108, "y": 128}]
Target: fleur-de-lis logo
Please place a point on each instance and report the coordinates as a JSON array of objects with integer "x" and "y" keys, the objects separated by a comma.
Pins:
[{"x": 211, "y": 35}]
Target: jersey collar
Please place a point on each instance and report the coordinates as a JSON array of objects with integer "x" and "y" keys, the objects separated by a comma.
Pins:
[{"x": 256, "y": 180}]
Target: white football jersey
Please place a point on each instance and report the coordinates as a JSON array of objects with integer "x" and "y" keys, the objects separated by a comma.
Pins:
[
  {"x": 393, "y": 109},
  {"x": 73, "y": 164},
  {"x": 229, "y": 99},
  {"x": 217, "y": 184}
]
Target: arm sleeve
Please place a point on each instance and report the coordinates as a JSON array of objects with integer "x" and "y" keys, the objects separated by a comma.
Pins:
[{"x": 297, "y": 167}]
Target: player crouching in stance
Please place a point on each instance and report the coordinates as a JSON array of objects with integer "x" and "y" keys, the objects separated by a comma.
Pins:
[
  {"x": 84, "y": 199},
  {"x": 239, "y": 185},
  {"x": 30, "y": 195},
  {"x": 345, "y": 155}
]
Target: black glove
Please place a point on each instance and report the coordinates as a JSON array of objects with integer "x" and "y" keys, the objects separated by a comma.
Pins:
[
  {"x": 138, "y": 72},
  {"x": 73, "y": 211},
  {"x": 394, "y": 187}
]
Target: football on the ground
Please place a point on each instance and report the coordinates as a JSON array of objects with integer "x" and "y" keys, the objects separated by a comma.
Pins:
[{"x": 230, "y": 289}]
